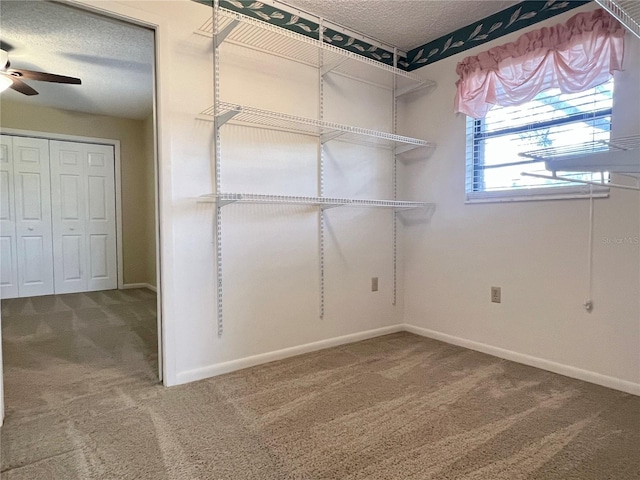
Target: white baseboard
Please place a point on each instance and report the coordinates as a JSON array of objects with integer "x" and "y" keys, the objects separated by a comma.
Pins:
[
  {"x": 566, "y": 370},
  {"x": 233, "y": 365},
  {"x": 128, "y": 286}
]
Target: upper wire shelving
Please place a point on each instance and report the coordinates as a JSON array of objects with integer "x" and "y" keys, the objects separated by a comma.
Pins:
[
  {"x": 627, "y": 11},
  {"x": 325, "y": 130},
  {"x": 239, "y": 29}
]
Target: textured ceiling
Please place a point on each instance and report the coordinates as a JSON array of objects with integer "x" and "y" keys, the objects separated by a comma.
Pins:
[
  {"x": 403, "y": 23},
  {"x": 113, "y": 59}
]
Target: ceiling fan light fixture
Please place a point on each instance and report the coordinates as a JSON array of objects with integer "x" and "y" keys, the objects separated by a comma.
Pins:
[{"x": 5, "y": 82}]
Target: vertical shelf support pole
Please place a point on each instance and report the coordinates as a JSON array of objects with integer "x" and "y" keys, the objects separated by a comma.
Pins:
[
  {"x": 395, "y": 181},
  {"x": 321, "y": 215},
  {"x": 219, "y": 267},
  {"x": 218, "y": 211}
]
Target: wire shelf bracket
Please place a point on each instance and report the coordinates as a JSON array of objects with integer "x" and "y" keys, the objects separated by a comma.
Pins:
[
  {"x": 329, "y": 68},
  {"x": 332, "y": 205},
  {"x": 223, "y": 118},
  {"x": 406, "y": 90},
  {"x": 401, "y": 149},
  {"x": 327, "y": 137},
  {"x": 226, "y": 31}
]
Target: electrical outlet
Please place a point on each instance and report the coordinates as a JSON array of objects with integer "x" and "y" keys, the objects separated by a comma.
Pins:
[
  {"x": 496, "y": 294},
  {"x": 374, "y": 284}
]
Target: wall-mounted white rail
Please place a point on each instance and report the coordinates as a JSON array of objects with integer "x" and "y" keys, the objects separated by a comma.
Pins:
[
  {"x": 627, "y": 11},
  {"x": 239, "y": 29},
  {"x": 223, "y": 199},
  {"x": 327, "y": 131}
]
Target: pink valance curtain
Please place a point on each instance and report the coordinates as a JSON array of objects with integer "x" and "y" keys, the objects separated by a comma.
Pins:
[{"x": 573, "y": 57}]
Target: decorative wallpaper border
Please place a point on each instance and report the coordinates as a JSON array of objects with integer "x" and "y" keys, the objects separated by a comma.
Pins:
[
  {"x": 304, "y": 26},
  {"x": 494, "y": 26}
]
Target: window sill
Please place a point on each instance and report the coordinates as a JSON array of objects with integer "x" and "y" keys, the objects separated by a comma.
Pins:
[{"x": 536, "y": 194}]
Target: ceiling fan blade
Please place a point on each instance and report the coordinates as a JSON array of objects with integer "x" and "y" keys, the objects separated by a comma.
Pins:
[
  {"x": 6, "y": 46},
  {"x": 19, "y": 86},
  {"x": 45, "y": 77}
]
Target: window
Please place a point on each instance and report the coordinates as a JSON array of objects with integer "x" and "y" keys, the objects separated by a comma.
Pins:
[{"x": 551, "y": 119}]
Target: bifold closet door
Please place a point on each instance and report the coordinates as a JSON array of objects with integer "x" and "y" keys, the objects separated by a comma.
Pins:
[
  {"x": 32, "y": 216},
  {"x": 8, "y": 246},
  {"x": 84, "y": 225}
]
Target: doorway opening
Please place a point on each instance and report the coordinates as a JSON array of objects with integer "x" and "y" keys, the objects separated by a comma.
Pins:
[{"x": 79, "y": 254}]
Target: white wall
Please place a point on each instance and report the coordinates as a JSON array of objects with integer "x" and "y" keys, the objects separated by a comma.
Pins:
[
  {"x": 535, "y": 251},
  {"x": 270, "y": 252}
]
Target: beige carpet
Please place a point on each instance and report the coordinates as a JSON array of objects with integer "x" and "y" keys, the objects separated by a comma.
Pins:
[{"x": 82, "y": 403}]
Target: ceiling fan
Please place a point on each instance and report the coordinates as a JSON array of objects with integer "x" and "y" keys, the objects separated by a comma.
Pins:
[{"x": 12, "y": 77}]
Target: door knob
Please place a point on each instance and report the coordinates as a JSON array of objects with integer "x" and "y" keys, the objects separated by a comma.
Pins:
[
  {"x": 31, "y": 229},
  {"x": 71, "y": 228}
]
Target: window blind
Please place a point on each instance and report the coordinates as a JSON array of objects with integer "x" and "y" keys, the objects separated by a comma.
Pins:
[{"x": 551, "y": 119}]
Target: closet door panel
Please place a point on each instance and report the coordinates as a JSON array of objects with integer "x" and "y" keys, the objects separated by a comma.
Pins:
[
  {"x": 83, "y": 197},
  {"x": 34, "y": 253},
  {"x": 31, "y": 196},
  {"x": 68, "y": 205},
  {"x": 8, "y": 267},
  {"x": 33, "y": 216},
  {"x": 72, "y": 256},
  {"x": 101, "y": 215},
  {"x": 99, "y": 246},
  {"x": 8, "y": 249},
  {"x": 97, "y": 200}
]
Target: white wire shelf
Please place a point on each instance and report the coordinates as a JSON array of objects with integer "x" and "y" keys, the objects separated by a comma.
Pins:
[
  {"x": 619, "y": 155},
  {"x": 325, "y": 130},
  {"x": 223, "y": 199},
  {"x": 597, "y": 146},
  {"x": 239, "y": 29},
  {"x": 626, "y": 11}
]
